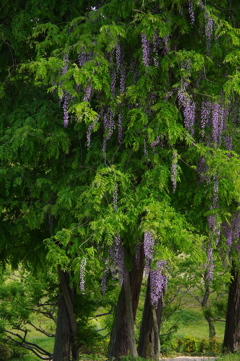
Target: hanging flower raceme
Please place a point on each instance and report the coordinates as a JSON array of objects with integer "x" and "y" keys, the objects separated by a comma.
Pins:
[
  {"x": 82, "y": 274},
  {"x": 158, "y": 282},
  {"x": 109, "y": 123},
  {"x": 148, "y": 246},
  {"x": 65, "y": 97},
  {"x": 117, "y": 257},
  {"x": 191, "y": 12},
  {"x": 145, "y": 50},
  {"x": 189, "y": 108},
  {"x": 174, "y": 170}
]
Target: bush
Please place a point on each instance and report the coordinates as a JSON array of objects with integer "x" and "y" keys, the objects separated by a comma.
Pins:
[
  {"x": 190, "y": 345},
  {"x": 4, "y": 352}
]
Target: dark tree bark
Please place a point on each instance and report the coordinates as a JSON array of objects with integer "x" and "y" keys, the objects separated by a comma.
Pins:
[
  {"x": 118, "y": 345},
  {"x": 232, "y": 329},
  {"x": 62, "y": 345},
  {"x": 129, "y": 315},
  {"x": 66, "y": 334},
  {"x": 149, "y": 344}
]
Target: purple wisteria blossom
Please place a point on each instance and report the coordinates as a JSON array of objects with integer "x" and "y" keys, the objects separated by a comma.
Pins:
[
  {"x": 148, "y": 247},
  {"x": 87, "y": 93},
  {"x": 215, "y": 122},
  {"x": 156, "y": 142},
  {"x": 231, "y": 230},
  {"x": 82, "y": 274},
  {"x": 118, "y": 55},
  {"x": 90, "y": 129},
  {"x": 208, "y": 30},
  {"x": 120, "y": 128},
  {"x": 228, "y": 232},
  {"x": 228, "y": 142},
  {"x": 145, "y": 50},
  {"x": 117, "y": 257},
  {"x": 122, "y": 79},
  {"x": 174, "y": 170},
  {"x": 65, "y": 97},
  {"x": 65, "y": 110},
  {"x": 109, "y": 123},
  {"x": 189, "y": 109},
  {"x": 166, "y": 43},
  {"x": 206, "y": 107},
  {"x": 82, "y": 58},
  {"x": 191, "y": 12},
  {"x": 158, "y": 282},
  {"x": 156, "y": 44}
]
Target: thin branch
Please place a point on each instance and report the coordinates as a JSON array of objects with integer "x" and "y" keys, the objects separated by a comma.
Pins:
[
  {"x": 40, "y": 330},
  {"x": 37, "y": 350}
]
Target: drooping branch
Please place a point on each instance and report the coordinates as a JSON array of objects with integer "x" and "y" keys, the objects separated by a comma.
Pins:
[{"x": 37, "y": 350}]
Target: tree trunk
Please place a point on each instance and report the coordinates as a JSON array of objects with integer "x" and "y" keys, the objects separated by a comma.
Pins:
[
  {"x": 62, "y": 345},
  {"x": 156, "y": 334},
  {"x": 130, "y": 318},
  {"x": 149, "y": 343},
  {"x": 211, "y": 327},
  {"x": 232, "y": 329},
  {"x": 66, "y": 324},
  {"x": 118, "y": 345},
  {"x": 206, "y": 311}
]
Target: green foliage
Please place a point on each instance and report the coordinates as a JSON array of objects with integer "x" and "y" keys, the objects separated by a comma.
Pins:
[{"x": 194, "y": 345}]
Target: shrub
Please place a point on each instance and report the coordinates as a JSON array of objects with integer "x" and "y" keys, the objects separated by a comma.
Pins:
[
  {"x": 4, "y": 352},
  {"x": 190, "y": 344}
]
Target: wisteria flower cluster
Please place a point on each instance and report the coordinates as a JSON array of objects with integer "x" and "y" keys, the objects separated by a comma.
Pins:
[
  {"x": 117, "y": 257},
  {"x": 189, "y": 108},
  {"x": 65, "y": 98},
  {"x": 174, "y": 170},
  {"x": 109, "y": 123},
  {"x": 158, "y": 282},
  {"x": 231, "y": 230},
  {"x": 210, "y": 262},
  {"x": 82, "y": 274},
  {"x": 191, "y": 12},
  {"x": 148, "y": 246}
]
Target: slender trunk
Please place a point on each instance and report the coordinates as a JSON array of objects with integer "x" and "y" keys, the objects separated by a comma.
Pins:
[
  {"x": 211, "y": 327},
  {"x": 130, "y": 318},
  {"x": 232, "y": 330},
  {"x": 149, "y": 342},
  {"x": 62, "y": 345},
  {"x": 118, "y": 345},
  {"x": 156, "y": 334},
  {"x": 206, "y": 312},
  {"x": 68, "y": 325}
]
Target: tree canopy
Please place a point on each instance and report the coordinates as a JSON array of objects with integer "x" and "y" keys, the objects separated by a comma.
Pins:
[{"x": 119, "y": 127}]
